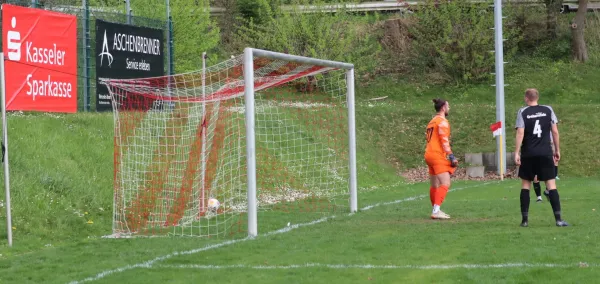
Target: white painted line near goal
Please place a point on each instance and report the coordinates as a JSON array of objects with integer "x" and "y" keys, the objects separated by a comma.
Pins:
[
  {"x": 374, "y": 266},
  {"x": 420, "y": 196},
  {"x": 150, "y": 263}
]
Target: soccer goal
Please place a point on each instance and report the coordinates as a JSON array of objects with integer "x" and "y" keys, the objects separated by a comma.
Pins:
[{"x": 262, "y": 138}]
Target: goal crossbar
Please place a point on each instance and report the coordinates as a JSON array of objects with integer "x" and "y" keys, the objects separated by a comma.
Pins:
[{"x": 300, "y": 59}]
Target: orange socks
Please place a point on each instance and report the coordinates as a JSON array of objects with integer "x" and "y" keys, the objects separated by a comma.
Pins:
[
  {"x": 432, "y": 191},
  {"x": 440, "y": 194}
]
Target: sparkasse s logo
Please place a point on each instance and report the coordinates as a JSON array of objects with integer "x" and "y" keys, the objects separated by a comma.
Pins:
[
  {"x": 13, "y": 38},
  {"x": 105, "y": 52}
]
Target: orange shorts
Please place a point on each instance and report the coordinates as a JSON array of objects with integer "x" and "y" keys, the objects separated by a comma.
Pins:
[{"x": 438, "y": 165}]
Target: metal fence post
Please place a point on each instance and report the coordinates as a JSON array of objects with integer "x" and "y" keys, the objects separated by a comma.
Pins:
[
  {"x": 86, "y": 57},
  {"x": 169, "y": 39},
  {"x": 171, "y": 48},
  {"x": 128, "y": 11}
]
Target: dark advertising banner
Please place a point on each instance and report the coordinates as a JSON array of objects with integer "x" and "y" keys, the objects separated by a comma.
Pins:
[{"x": 126, "y": 52}]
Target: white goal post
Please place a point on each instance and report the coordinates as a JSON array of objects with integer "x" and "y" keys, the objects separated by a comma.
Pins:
[
  {"x": 201, "y": 153},
  {"x": 249, "y": 54}
]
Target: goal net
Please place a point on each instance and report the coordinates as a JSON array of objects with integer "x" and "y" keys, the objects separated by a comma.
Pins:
[{"x": 185, "y": 162}]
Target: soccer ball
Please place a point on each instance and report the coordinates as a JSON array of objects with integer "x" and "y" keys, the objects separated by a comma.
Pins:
[{"x": 213, "y": 204}]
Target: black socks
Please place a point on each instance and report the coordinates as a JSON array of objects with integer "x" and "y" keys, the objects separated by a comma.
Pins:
[
  {"x": 538, "y": 189},
  {"x": 525, "y": 204},
  {"x": 555, "y": 202}
]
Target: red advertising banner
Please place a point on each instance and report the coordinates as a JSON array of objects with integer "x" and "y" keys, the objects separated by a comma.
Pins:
[{"x": 40, "y": 53}]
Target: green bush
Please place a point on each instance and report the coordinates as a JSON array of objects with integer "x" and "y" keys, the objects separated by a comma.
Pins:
[
  {"x": 592, "y": 36},
  {"x": 194, "y": 31},
  {"x": 339, "y": 36},
  {"x": 258, "y": 11},
  {"x": 530, "y": 22},
  {"x": 457, "y": 39}
]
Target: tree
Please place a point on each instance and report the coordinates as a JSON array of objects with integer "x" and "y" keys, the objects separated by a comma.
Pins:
[
  {"x": 579, "y": 48},
  {"x": 552, "y": 11},
  {"x": 228, "y": 21},
  {"x": 258, "y": 11}
]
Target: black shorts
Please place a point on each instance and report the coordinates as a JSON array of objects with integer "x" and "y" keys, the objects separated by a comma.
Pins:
[{"x": 540, "y": 166}]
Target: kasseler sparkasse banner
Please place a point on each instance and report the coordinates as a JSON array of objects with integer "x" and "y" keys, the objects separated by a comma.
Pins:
[
  {"x": 40, "y": 49},
  {"x": 126, "y": 52}
]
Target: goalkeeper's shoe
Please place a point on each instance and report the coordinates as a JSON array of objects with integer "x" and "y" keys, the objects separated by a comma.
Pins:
[
  {"x": 561, "y": 223},
  {"x": 539, "y": 199},
  {"x": 524, "y": 224},
  {"x": 440, "y": 215}
]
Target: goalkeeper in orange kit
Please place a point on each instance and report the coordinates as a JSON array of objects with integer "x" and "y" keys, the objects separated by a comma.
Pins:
[{"x": 439, "y": 157}]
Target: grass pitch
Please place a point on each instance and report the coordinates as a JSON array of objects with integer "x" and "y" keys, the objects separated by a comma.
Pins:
[{"x": 391, "y": 240}]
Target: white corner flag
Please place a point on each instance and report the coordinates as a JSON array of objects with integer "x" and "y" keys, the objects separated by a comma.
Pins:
[{"x": 496, "y": 128}]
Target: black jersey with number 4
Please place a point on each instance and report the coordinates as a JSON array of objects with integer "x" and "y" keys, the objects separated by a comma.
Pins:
[{"x": 537, "y": 122}]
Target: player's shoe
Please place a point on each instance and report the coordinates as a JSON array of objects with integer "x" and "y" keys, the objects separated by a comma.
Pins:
[
  {"x": 557, "y": 178},
  {"x": 524, "y": 224},
  {"x": 561, "y": 223},
  {"x": 440, "y": 215},
  {"x": 539, "y": 199}
]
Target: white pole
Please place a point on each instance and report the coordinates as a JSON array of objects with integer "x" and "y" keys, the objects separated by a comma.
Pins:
[
  {"x": 499, "y": 52},
  {"x": 204, "y": 129},
  {"x": 352, "y": 140},
  {"x": 250, "y": 143},
  {"x": 249, "y": 54},
  {"x": 5, "y": 139}
]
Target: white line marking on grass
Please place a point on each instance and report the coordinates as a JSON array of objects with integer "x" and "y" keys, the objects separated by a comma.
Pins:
[
  {"x": 150, "y": 263},
  {"x": 373, "y": 266},
  {"x": 420, "y": 196}
]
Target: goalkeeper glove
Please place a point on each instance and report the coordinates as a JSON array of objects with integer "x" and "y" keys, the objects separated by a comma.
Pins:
[{"x": 453, "y": 160}]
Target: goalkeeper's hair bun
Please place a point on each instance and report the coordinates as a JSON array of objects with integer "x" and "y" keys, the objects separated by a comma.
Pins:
[{"x": 438, "y": 104}]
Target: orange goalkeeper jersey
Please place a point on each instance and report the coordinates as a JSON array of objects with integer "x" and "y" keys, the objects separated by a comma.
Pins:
[{"x": 438, "y": 137}]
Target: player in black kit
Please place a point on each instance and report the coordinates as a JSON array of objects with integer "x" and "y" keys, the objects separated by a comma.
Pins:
[{"x": 533, "y": 152}]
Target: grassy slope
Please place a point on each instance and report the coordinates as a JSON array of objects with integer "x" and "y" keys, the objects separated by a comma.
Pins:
[
  {"x": 61, "y": 178},
  {"x": 397, "y": 125}
]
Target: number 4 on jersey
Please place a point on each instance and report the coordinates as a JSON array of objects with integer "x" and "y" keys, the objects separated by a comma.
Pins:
[{"x": 537, "y": 129}]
